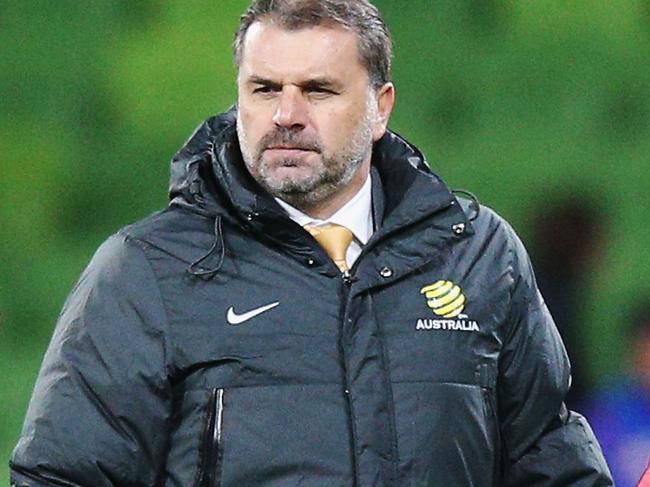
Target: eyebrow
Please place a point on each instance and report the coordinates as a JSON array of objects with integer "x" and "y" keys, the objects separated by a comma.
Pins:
[
  {"x": 320, "y": 82},
  {"x": 257, "y": 80},
  {"x": 326, "y": 83}
]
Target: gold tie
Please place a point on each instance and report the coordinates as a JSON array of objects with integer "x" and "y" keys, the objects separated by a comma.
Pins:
[{"x": 335, "y": 239}]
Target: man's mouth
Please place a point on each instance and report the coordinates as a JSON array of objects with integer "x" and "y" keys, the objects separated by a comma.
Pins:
[
  {"x": 289, "y": 148},
  {"x": 292, "y": 153}
]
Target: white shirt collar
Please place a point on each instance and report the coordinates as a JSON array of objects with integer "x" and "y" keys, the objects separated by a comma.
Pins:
[{"x": 356, "y": 214}]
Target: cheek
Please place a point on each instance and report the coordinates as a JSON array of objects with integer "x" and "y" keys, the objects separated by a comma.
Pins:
[
  {"x": 336, "y": 127},
  {"x": 253, "y": 119}
]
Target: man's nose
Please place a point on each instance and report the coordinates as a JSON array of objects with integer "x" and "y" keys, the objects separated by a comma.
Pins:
[{"x": 292, "y": 110}]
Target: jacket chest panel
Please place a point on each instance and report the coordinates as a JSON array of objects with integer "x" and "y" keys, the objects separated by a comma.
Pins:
[
  {"x": 261, "y": 373},
  {"x": 264, "y": 324},
  {"x": 443, "y": 372},
  {"x": 439, "y": 326}
]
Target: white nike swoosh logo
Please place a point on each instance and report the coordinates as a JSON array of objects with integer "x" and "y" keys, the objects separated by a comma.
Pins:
[{"x": 236, "y": 319}]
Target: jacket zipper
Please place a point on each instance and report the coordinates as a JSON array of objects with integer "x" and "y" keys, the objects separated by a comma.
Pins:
[
  {"x": 346, "y": 277},
  {"x": 211, "y": 453}
]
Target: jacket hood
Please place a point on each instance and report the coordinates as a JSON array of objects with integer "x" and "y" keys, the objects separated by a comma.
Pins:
[{"x": 208, "y": 176}]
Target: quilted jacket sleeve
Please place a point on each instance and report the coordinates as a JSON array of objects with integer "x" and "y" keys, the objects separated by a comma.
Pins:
[
  {"x": 545, "y": 444},
  {"x": 100, "y": 409}
]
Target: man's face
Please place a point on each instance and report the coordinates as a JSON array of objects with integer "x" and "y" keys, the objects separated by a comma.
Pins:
[{"x": 307, "y": 116}]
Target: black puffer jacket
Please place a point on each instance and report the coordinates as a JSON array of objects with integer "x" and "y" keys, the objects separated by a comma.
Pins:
[{"x": 216, "y": 344}]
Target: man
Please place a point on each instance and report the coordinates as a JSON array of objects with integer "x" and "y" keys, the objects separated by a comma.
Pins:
[{"x": 314, "y": 308}]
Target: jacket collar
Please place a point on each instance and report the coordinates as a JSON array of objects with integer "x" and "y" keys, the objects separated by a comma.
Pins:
[{"x": 208, "y": 176}]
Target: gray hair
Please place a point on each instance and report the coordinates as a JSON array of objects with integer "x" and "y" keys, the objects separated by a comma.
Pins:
[{"x": 360, "y": 16}]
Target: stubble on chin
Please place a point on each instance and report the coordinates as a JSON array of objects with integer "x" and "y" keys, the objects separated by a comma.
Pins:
[
  {"x": 325, "y": 181},
  {"x": 334, "y": 172},
  {"x": 308, "y": 192}
]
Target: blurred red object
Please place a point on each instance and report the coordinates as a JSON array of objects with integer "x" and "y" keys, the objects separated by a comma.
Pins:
[{"x": 645, "y": 478}]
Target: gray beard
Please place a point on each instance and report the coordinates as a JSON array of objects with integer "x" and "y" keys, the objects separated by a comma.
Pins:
[
  {"x": 337, "y": 171},
  {"x": 308, "y": 194}
]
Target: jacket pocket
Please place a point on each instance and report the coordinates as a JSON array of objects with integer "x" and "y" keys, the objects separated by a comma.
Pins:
[{"x": 211, "y": 451}]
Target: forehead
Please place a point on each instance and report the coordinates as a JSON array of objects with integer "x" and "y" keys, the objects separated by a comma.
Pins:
[{"x": 276, "y": 53}]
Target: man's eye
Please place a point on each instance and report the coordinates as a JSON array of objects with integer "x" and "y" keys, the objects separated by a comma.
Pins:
[
  {"x": 320, "y": 91},
  {"x": 264, "y": 90}
]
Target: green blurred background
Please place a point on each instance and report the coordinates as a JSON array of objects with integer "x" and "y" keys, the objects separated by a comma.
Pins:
[{"x": 514, "y": 100}]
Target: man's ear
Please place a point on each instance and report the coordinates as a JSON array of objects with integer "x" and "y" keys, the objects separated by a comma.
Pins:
[{"x": 385, "y": 101}]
